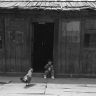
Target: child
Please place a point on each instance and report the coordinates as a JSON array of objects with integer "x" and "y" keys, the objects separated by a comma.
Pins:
[
  {"x": 49, "y": 70},
  {"x": 27, "y": 77}
]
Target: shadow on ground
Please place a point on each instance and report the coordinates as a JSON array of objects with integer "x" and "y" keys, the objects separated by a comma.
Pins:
[{"x": 28, "y": 86}]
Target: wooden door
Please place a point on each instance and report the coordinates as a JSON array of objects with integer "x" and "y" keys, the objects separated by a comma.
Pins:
[
  {"x": 69, "y": 47},
  {"x": 17, "y": 44}
]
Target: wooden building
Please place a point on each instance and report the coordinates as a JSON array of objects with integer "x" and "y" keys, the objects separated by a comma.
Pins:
[{"x": 31, "y": 32}]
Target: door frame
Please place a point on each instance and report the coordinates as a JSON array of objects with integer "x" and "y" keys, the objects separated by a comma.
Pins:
[{"x": 42, "y": 20}]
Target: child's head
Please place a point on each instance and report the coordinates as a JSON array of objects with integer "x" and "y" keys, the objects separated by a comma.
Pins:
[{"x": 50, "y": 62}]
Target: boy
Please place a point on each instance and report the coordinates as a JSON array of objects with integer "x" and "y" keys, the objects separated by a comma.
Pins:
[
  {"x": 27, "y": 77},
  {"x": 49, "y": 70}
]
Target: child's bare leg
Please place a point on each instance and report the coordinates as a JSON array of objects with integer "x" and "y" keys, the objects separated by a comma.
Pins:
[
  {"x": 26, "y": 84},
  {"x": 52, "y": 74},
  {"x": 46, "y": 73}
]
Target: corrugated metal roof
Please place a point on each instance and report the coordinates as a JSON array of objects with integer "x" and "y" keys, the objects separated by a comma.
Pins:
[{"x": 53, "y": 5}]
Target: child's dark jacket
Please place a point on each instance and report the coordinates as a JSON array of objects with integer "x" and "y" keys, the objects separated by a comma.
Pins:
[{"x": 48, "y": 67}]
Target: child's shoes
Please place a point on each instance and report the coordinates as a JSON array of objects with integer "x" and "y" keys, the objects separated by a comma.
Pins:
[
  {"x": 45, "y": 77},
  {"x": 52, "y": 77}
]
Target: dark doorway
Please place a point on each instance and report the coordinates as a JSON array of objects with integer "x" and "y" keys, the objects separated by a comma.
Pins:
[{"x": 43, "y": 45}]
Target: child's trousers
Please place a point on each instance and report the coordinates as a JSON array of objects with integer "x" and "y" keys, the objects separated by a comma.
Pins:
[{"x": 47, "y": 72}]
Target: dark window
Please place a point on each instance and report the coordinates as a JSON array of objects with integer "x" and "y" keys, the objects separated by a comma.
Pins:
[
  {"x": 0, "y": 44},
  {"x": 0, "y": 41},
  {"x": 90, "y": 40},
  {"x": 86, "y": 40},
  {"x": 16, "y": 37},
  {"x": 12, "y": 36}
]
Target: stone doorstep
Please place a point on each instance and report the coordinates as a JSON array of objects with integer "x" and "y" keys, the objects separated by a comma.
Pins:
[{"x": 17, "y": 79}]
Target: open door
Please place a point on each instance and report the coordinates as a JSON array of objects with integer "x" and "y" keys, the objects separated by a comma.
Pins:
[{"x": 43, "y": 45}]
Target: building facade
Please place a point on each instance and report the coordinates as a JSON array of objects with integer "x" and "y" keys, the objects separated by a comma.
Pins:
[{"x": 30, "y": 37}]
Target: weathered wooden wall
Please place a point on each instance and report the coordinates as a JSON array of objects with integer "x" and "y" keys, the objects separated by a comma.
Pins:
[
  {"x": 17, "y": 43},
  {"x": 71, "y": 54},
  {"x": 77, "y": 51}
]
